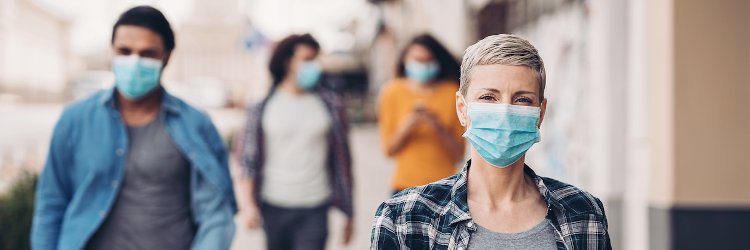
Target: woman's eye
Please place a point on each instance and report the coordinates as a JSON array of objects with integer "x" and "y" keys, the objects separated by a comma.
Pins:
[
  {"x": 487, "y": 98},
  {"x": 524, "y": 100}
]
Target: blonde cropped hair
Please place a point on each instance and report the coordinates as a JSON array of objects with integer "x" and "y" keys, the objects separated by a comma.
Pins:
[{"x": 502, "y": 49}]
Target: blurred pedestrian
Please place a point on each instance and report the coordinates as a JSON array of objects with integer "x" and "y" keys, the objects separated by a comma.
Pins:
[
  {"x": 295, "y": 153},
  {"x": 418, "y": 123},
  {"x": 133, "y": 167},
  {"x": 496, "y": 201}
]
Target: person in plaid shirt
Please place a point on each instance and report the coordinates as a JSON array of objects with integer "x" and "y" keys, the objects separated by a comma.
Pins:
[{"x": 496, "y": 201}]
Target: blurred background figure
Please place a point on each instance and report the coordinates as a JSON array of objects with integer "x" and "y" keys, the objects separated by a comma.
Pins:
[
  {"x": 658, "y": 128},
  {"x": 417, "y": 117},
  {"x": 295, "y": 153},
  {"x": 133, "y": 167}
]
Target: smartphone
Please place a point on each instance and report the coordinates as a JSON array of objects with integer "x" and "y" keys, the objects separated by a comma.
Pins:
[{"x": 419, "y": 106}]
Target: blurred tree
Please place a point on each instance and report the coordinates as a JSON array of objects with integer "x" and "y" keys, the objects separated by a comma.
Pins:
[{"x": 16, "y": 211}]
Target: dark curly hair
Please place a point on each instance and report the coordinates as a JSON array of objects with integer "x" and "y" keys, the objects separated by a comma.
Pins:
[
  {"x": 283, "y": 53},
  {"x": 449, "y": 67},
  {"x": 150, "y": 18}
]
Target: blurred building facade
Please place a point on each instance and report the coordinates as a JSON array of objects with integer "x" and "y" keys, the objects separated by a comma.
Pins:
[
  {"x": 212, "y": 55},
  {"x": 34, "y": 51}
]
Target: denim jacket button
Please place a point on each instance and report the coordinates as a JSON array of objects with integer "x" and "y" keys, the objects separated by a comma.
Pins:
[
  {"x": 119, "y": 152},
  {"x": 115, "y": 183}
]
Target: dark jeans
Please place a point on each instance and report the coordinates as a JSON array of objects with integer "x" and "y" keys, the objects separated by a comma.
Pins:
[{"x": 295, "y": 228}]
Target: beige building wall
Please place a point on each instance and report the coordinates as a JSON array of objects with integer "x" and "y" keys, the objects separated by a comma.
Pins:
[
  {"x": 700, "y": 121},
  {"x": 711, "y": 107},
  {"x": 698, "y": 84}
]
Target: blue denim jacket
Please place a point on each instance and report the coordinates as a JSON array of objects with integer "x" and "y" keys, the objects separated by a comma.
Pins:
[{"x": 85, "y": 166}]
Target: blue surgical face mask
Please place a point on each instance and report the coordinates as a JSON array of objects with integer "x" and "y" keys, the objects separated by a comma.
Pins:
[
  {"x": 421, "y": 72},
  {"x": 308, "y": 74},
  {"x": 136, "y": 76},
  {"x": 502, "y": 133}
]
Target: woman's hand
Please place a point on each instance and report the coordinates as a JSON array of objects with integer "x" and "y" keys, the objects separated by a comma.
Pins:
[
  {"x": 431, "y": 118},
  {"x": 410, "y": 123},
  {"x": 405, "y": 129},
  {"x": 453, "y": 146}
]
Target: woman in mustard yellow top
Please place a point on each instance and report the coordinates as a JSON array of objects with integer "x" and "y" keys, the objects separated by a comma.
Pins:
[{"x": 418, "y": 122}]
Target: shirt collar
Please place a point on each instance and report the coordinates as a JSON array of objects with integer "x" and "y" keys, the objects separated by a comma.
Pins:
[
  {"x": 460, "y": 207},
  {"x": 169, "y": 103}
]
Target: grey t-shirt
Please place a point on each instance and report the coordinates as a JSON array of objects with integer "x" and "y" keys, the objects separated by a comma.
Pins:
[
  {"x": 296, "y": 129},
  {"x": 152, "y": 210},
  {"x": 541, "y": 236}
]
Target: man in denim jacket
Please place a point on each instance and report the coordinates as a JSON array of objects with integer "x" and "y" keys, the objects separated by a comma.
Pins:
[{"x": 133, "y": 167}]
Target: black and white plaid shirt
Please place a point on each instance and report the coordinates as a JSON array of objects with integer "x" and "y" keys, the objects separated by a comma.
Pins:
[{"x": 436, "y": 216}]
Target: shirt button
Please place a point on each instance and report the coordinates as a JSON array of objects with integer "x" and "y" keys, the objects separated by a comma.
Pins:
[
  {"x": 115, "y": 183},
  {"x": 119, "y": 152},
  {"x": 470, "y": 224},
  {"x": 101, "y": 214}
]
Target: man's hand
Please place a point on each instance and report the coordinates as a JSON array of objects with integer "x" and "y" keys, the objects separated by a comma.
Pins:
[
  {"x": 348, "y": 231},
  {"x": 250, "y": 217}
]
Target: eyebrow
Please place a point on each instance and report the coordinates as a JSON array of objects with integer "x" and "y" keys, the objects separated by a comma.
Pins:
[
  {"x": 492, "y": 90},
  {"x": 524, "y": 92},
  {"x": 520, "y": 92},
  {"x": 123, "y": 46}
]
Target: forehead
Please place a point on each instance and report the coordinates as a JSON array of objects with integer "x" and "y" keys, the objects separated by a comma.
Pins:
[
  {"x": 418, "y": 51},
  {"x": 304, "y": 50},
  {"x": 137, "y": 37},
  {"x": 503, "y": 77}
]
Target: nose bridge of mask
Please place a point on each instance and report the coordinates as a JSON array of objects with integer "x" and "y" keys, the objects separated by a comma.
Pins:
[
  {"x": 416, "y": 65},
  {"x": 135, "y": 60},
  {"x": 501, "y": 108},
  {"x": 150, "y": 63},
  {"x": 491, "y": 116}
]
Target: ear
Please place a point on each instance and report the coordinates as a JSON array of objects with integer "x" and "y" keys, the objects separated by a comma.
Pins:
[
  {"x": 167, "y": 55},
  {"x": 461, "y": 109},
  {"x": 541, "y": 115},
  {"x": 291, "y": 66}
]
